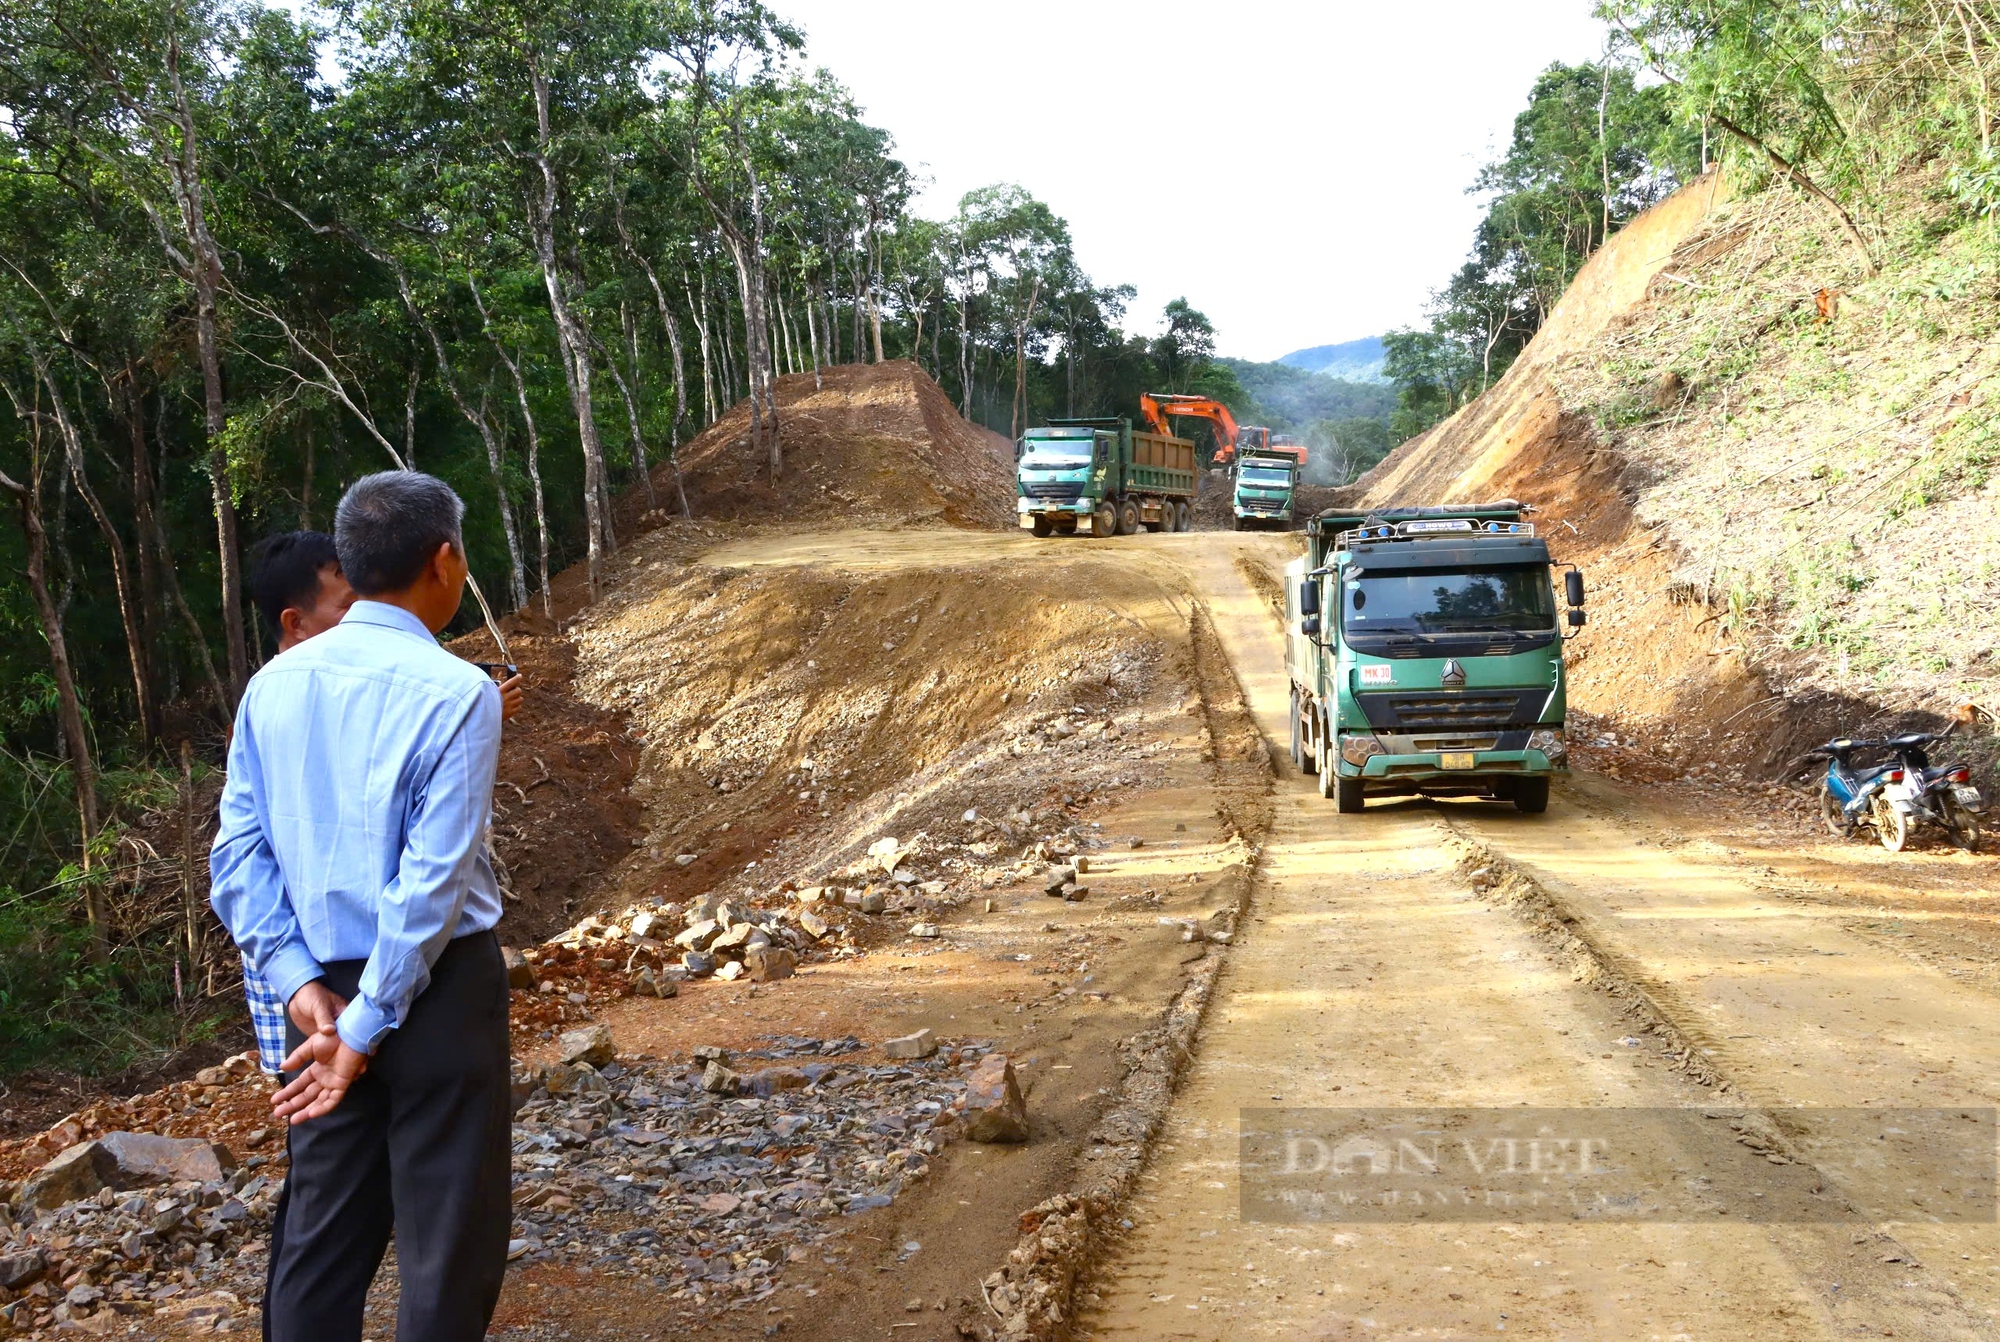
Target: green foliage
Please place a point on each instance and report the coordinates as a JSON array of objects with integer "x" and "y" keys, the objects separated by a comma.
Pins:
[{"x": 1591, "y": 150}]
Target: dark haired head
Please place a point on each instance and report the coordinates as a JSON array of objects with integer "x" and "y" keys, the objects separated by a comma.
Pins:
[
  {"x": 389, "y": 525},
  {"x": 285, "y": 571}
]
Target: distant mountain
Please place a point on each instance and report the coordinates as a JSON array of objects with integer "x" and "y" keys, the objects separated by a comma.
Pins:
[{"x": 1354, "y": 361}]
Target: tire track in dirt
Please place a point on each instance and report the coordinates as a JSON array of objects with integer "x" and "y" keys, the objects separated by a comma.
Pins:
[{"x": 1462, "y": 1008}]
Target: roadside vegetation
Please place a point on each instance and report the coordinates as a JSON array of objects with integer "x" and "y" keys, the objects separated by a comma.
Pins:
[
  {"x": 250, "y": 253},
  {"x": 1807, "y": 396}
]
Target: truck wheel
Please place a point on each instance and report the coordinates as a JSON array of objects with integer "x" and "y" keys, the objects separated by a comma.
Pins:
[
  {"x": 1531, "y": 795},
  {"x": 1104, "y": 522},
  {"x": 1042, "y": 527},
  {"x": 1328, "y": 771},
  {"x": 1348, "y": 799},
  {"x": 1183, "y": 518},
  {"x": 1128, "y": 518}
]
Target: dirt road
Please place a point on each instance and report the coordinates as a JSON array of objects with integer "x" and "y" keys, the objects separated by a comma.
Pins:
[{"x": 1372, "y": 974}]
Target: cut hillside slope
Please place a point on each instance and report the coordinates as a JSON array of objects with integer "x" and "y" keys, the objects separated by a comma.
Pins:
[
  {"x": 1728, "y": 464},
  {"x": 871, "y": 444}
]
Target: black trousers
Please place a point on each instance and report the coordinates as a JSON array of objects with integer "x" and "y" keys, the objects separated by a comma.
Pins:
[{"x": 421, "y": 1146}]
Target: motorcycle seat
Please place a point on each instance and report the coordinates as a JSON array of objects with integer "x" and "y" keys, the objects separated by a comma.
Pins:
[{"x": 1909, "y": 742}]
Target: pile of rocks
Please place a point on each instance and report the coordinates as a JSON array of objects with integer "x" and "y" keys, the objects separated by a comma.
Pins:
[
  {"x": 709, "y": 1175},
  {"x": 131, "y": 1225},
  {"x": 705, "y": 1175}
]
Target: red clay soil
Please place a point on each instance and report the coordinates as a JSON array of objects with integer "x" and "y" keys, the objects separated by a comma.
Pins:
[
  {"x": 872, "y": 444},
  {"x": 563, "y": 813}
]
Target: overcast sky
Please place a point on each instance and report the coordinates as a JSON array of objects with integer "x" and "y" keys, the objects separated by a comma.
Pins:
[{"x": 1296, "y": 169}]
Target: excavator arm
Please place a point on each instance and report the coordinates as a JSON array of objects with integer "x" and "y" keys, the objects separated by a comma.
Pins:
[{"x": 1158, "y": 408}]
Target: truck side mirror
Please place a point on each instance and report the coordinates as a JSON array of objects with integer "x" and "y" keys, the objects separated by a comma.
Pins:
[
  {"x": 1020, "y": 445},
  {"x": 1573, "y": 588},
  {"x": 1309, "y": 626},
  {"x": 1308, "y": 597},
  {"x": 1576, "y": 618}
]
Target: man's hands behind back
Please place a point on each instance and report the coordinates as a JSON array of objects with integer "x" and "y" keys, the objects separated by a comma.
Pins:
[{"x": 326, "y": 1066}]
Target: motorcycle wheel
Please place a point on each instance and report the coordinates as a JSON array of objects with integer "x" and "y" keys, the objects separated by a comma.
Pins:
[
  {"x": 1830, "y": 811},
  {"x": 1962, "y": 825},
  {"x": 1892, "y": 827}
]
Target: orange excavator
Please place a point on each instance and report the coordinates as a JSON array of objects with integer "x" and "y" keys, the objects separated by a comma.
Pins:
[{"x": 1230, "y": 438}]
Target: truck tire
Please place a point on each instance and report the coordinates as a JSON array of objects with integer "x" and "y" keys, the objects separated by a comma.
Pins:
[
  {"x": 1531, "y": 795},
  {"x": 1104, "y": 522},
  {"x": 1042, "y": 527},
  {"x": 1328, "y": 772},
  {"x": 1128, "y": 518},
  {"x": 1183, "y": 518},
  {"x": 1348, "y": 799}
]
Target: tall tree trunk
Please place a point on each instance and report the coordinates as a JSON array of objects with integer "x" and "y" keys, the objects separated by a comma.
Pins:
[
  {"x": 410, "y": 413},
  {"x": 698, "y": 311},
  {"x": 517, "y": 576},
  {"x": 812, "y": 330},
  {"x": 673, "y": 343},
  {"x": 573, "y": 347},
  {"x": 937, "y": 364},
  {"x": 69, "y": 709},
  {"x": 163, "y": 547},
  {"x": 874, "y": 281},
  {"x": 306, "y": 484},
  {"x": 141, "y": 466},
  {"x": 856, "y": 308},
  {"x": 729, "y": 343},
  {"x": 534, "y": 443},
  {"x": 631, "y": 421},
  {"x": 75, "y": 457},
  {"x": 965, "y": 340},
  {"x": 517, "y": 581},
  {"x": 206, "y": 276}
]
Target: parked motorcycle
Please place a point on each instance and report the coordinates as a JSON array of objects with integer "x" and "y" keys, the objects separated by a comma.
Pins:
[
  {"x": 1851, "y": 795},
  {"x": 1897, "y": 796},
  {"x": 1927, "y": 794}
]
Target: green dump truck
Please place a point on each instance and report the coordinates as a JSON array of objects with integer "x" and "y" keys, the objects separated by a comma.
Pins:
[
  {"x": 1426, "y": 655},
  {"x": 1266, "y": 480},
  {"x": 1097, "y": 477}
]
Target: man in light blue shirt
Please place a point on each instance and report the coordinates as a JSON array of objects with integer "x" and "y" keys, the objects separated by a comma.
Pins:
[{"x": 351, "y": 866}]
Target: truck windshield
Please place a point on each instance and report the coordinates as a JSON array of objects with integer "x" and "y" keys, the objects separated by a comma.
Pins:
[
  {"x": 1435, "y": 603},
  {"x": 1266, "y": 477},
  {"x": 1056, "y": 454}
]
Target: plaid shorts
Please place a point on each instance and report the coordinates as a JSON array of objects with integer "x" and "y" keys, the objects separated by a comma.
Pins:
[{"x": 267, "y": 1017}]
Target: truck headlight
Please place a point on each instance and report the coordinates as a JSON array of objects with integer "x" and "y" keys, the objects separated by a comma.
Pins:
[
  {"x": 1358, "y": 750},
  {"x": 1548, "y": 740}
]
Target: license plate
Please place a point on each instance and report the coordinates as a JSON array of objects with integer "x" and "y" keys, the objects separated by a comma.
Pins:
[
  {"x": 1968, "y": 797},
  {"x": 1456, "y": 760}
]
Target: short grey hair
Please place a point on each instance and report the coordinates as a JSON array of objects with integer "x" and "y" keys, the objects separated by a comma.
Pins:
[{"x": 389, "y": 525}]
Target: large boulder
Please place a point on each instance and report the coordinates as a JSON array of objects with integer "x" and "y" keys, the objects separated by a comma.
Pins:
[
  {"x": 591, "y": 1045},
  {"x": 19, "y": 1271},
  {"x": 995, "y": 1110},
  {"x": 770, "y": 963},
  {"x": 121, "y": 1160}
]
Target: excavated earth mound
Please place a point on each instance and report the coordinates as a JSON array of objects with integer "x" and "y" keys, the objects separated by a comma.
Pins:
[
  {"x": 1649, "y": 660},
  {"x": 869, "y": 444}
]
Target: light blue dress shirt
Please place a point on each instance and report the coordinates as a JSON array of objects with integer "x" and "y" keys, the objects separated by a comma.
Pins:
[{"x": 355, "y": 813}]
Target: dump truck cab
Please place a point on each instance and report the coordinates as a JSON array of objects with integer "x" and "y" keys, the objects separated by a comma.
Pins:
[
  {"x": 1098, "y": 477},
  {"x": 1266, "y": 482},
  {"x": 1425, "y": 651}
]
